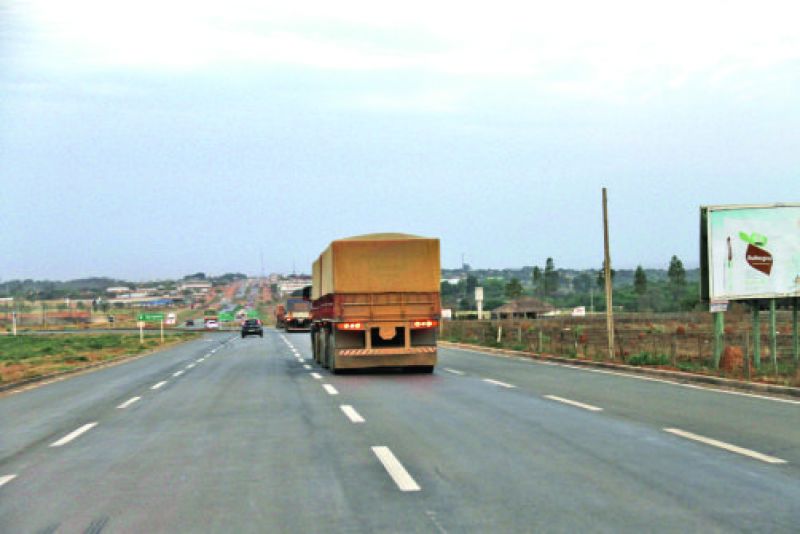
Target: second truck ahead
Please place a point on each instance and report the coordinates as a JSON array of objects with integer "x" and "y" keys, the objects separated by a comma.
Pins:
[
  {"x": 297, "y": 314},
  {"x": 375, "y": 302}
]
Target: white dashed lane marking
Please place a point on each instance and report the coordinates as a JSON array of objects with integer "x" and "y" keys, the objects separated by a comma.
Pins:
[
  {"x": 128, "y": 402},
  {"x": 177, "y": 373},
  {"x": 330, "y": 389},
  {"x": 74, "y": 434},
  {"x": 725, "y": 446},
  {"x": 498, "y": 383},
  {"x": 454, "y": 371},
  {"x": 574, "y": 403},
  {"x": 156, "y": 386},
  {"x": 395, "y": 469},
  {"x": 6, "y": 479},
  {"x": 317, "y": 376},
  {"x": 351, "y": 413}
]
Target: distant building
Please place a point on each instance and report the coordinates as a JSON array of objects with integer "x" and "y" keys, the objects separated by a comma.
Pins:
[
  {"x": 195, "y": 286},
  {"x": 293, "y": 283},
  {"x": 523, "y": 308},
  {"x": 118, "y": 290}
]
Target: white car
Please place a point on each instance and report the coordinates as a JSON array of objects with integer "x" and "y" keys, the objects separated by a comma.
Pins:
[{"x": 212, "y": 325}]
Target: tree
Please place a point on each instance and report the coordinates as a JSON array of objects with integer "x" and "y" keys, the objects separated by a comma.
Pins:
[
  {"x": 640, "y": 281},
  {"x": 582, "y": 283},
  {"x": 538, "y": 284},
  {"x": 471, "y": 284},
  {"x": 513, "y": 289},
  {"x": 677, "y": 277},
  {"x": 601, "y": 276},
  {"x": 550, "y": 278}
]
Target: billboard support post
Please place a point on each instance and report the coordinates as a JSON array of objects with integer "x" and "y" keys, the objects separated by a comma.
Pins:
[
  {"x": 719, "y": 330},
  {"x": 773, "y": 335},
  {"x": 756, "y": 336},
  {"x": 795, "y": 347}
]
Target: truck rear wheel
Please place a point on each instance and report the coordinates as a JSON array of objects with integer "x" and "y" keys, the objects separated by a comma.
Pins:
[{"x": 332, "y": 355}]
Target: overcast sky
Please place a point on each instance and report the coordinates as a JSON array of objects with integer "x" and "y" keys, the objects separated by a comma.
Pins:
[{"x": 159, "y": 138}]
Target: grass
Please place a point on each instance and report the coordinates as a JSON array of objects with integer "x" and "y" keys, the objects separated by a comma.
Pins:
[
  {"x": 26, "y": 356},
  {"x": 646, "y": 358}
]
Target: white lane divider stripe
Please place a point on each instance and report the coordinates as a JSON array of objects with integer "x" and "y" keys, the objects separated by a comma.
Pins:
[
  {"x": 454, "y": 371},
  {"x": 6, "y": 479},
  {"x": 574, "y": 403},
  {"x": 156, "y": 386},
  {"x": 190, "y": 365},
  {"x": 177, "y": 373},
  {"x": 498, "y": 383},
  {"x": 128, "y": 403},
  {"x": 330, "y": 389},
  {"x": 725, "y": 446},
  {"x": 306, "y": 366},
  {"x": 74, "y": 434},
  {"x": 395, "y": 469},
  {"x": 351, "y": 413},
  {"x": 316, "y": 376}
]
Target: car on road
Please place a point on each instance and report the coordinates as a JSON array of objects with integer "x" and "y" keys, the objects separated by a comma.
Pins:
[
  {"x": 212, "y": 325},
  {"x": 252, "y": 327},
  {"x": 189, "y": 322}
]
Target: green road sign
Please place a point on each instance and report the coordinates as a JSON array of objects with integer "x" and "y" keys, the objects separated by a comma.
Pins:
[
  {"x": 252, "y": 314},
  {"x": 152, "y": 317},
  {"x": 226, "y": 316}
]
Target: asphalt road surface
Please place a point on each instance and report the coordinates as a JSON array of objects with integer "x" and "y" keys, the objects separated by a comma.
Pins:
[{"x": 225, "y": 434}]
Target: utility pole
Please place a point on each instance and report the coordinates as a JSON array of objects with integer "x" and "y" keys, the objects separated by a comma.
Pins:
[{"x": 608, "y": 282}]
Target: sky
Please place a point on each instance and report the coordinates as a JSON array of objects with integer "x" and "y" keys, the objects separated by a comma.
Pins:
[{"x": 160, "y": 138}]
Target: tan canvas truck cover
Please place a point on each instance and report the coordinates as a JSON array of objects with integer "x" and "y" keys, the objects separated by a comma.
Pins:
[{"x": 379, "y": 263}]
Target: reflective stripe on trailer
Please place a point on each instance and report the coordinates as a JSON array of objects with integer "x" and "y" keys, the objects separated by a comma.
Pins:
[{"x": 375, "y": 352}]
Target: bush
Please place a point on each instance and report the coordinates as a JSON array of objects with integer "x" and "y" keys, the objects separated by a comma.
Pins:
[{"x": 645, "y": 358}]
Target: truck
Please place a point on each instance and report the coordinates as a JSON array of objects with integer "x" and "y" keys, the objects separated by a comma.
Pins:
[
  {"x": 297, "y": 315},
  {"x": 375, "y": 303},
  {"x": 280, "y": 315}
]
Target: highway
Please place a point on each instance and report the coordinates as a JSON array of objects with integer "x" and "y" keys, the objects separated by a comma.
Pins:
[{"x": 224, "y": 434}]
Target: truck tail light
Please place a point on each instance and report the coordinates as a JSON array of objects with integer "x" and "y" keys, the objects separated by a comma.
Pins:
[
  {"x": 350, "y": 326},
  {"x": 424, "y": 323}
]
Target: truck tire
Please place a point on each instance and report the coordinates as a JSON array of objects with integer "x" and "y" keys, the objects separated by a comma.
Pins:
[
  {"x": 324, "y": 351},
  {"x": 332, "y": 354}
]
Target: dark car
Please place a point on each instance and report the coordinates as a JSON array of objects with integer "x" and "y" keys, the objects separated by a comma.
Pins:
[
  {"x": 190, "y": 322},
  {"x": 252, "y": 327}
]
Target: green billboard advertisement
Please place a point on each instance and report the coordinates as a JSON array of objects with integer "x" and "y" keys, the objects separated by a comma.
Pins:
[{"x": 751, "y": 251}]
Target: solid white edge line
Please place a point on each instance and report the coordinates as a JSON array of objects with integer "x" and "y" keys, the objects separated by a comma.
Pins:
[
  {"x": 74, "y": 434},
  {"x": 726, "y": 446},
  {"x": 316, "y": 376},
  {"x": 454, "y": 371},
  {"x": 498, "y": 383},
  {"x": 395, "y": 469},
  {"x": 574, "y": 403},
  {"x": 177, "y": 373},
  {"x": 128, "y": 403},
  {"x": 330, "y": 389},
  {"x": 351, "y": 413},
  {"x": 156, "y": 386},
  {"x": 6, "y": 479}
]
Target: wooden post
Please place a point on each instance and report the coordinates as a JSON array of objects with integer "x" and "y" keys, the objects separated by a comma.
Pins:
[{"x": 607, "y": 275}]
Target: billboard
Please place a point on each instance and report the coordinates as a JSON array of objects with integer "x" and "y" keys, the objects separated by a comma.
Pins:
[{"x": 750, "y": 251}]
